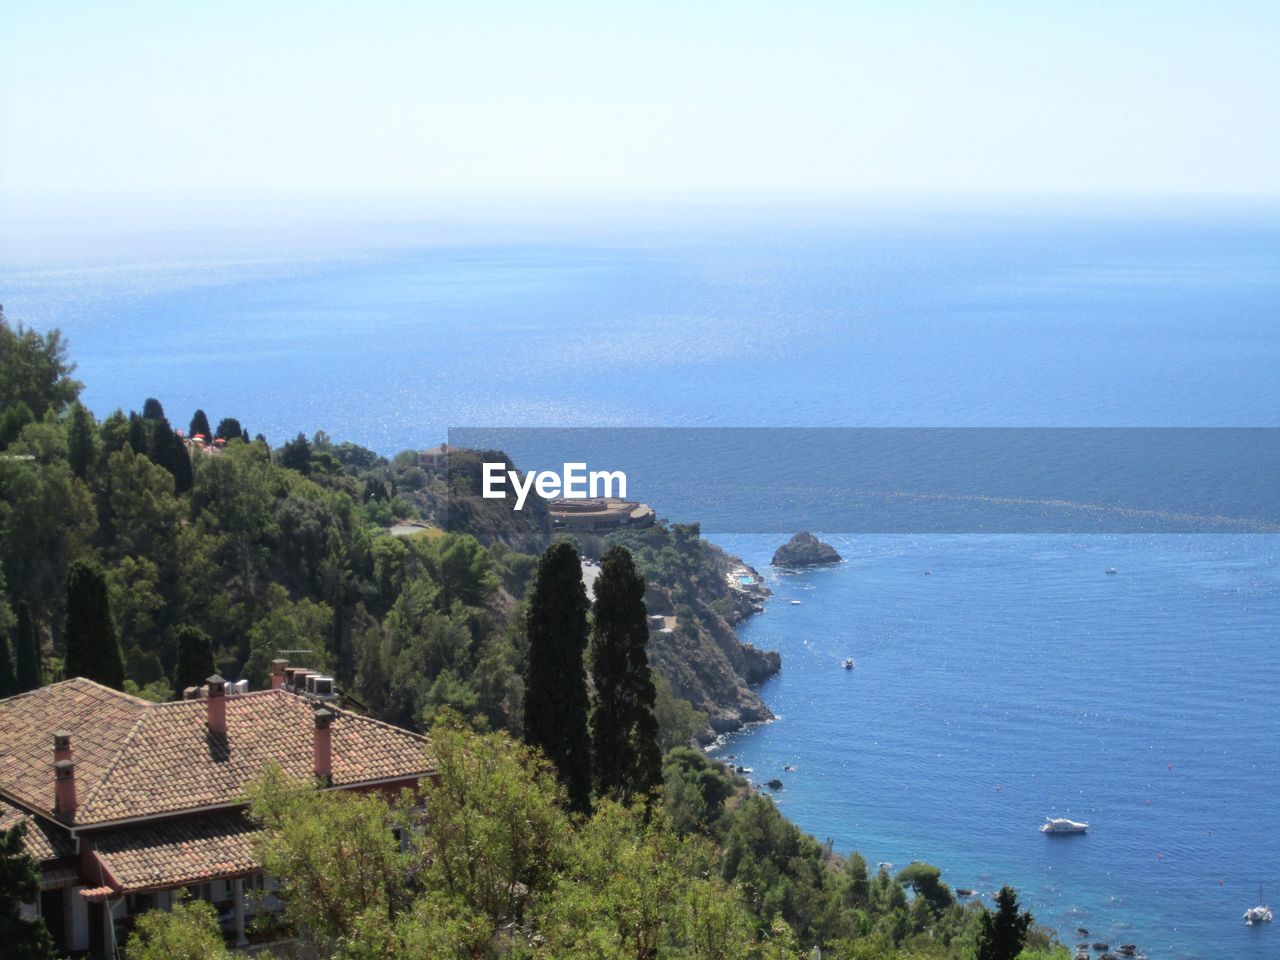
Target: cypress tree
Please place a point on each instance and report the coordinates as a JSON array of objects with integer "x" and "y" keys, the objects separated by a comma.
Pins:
[
  {"x": 195, "y": 659},
  {"x": 24, "y": 938},
  {"x": 26, "y": 653},
  {"x": 139, "y": 435},
  {"x": 92, "y": 649},
  {"x": 555, "y": 700},
  {"x": 229, "y": 429},
  {"x": 82, "y": 445},
  {"x": 628, "y": 761},
  {"x": 179, "y": 463},
  {"x": 151, "y": 409},
  {"x": 200, "y": 425},
  {"x": 1003, "y": 933},
  {"x": 8, "y": 676}
]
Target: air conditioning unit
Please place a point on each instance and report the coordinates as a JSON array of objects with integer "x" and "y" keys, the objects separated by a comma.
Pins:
[{"x": 321, "y": 687}]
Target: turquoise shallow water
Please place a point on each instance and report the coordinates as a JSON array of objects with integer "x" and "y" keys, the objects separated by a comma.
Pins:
[{"x": 1018, "y": 680}]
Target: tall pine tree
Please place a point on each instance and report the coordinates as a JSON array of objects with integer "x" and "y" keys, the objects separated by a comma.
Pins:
[
  {"x": 624, "y": 737},
  {"x": 555, "y": 700},
  {"x": 200, "y": 425},
  {"x": 1004, "y": 932},
  {"x": 195, "y": 659},
  {"x": 26, "y": 650},
  {"x": 92, "y": 649},
  {"x": 82, "y": 442},
  {"x": 178, "y": 461},
  {"x": 8, "y": 675}
]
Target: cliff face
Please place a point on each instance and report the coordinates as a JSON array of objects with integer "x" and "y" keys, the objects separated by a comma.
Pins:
[
  {"x": 805, "y": 550},
  {"x": 453, "y": 502},
  {"x": 691, "y": 585}
]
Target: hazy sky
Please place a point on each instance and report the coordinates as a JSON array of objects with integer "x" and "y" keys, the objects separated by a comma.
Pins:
[{"x": 129, "y": 97}]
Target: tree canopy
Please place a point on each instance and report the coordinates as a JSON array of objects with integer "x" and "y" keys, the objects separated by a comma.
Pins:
[
  {"x": 626, "y": 758},
  {"x": 556, "y": 704},
  {"x": 23, "y": 938}
]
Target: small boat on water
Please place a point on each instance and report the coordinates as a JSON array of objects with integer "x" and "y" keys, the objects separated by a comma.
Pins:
[
  {"x": 1112, "y": 570},
  {"x": 795, "y": 603},
  {"x": 1258, "y": 914},
  {"x": 848, "y": 663},
  {"x": 1062, "y": 825}
]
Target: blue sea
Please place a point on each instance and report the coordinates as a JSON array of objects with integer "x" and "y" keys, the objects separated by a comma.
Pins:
[
  {"x": 1017, "y": 680},
  {"x": 999, "y": 680}
]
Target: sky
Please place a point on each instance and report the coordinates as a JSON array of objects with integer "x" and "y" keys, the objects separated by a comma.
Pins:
[{"x": 178, "y": 102}]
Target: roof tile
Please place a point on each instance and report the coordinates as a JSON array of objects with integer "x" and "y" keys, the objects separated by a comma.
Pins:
[
  {"x": 179, "y": 851},
  {"x": 136, "y": 759}
]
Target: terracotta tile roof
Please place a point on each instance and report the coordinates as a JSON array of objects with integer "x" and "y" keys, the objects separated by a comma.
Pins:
[
  {"x": 179, "y": 851},
  {"x": 44, "y": 840},
  {"x": 98, "y": 719},
  {"x": 135, "y": 758}
]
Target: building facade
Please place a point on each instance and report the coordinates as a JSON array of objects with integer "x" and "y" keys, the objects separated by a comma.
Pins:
[{"x": 131, "y": 805}]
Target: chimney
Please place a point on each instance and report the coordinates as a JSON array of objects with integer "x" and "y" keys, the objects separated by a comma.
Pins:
[
  {"x": 64, "y": 790},
  {"x": 323, "y": 747},
  {"x": 278, "y": 668},
  {"x": 217, "y": 705},
  {"x": 64, "y": 776}
]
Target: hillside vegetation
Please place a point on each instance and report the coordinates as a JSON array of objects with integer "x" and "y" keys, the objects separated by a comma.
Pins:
[{"x": 176, "y": 561}]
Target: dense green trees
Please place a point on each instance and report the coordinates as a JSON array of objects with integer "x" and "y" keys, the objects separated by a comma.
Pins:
[
  {"x": 188, "y": 931},
  {"x": 26, "y": 651},
  {"x": 35, "y": 378},
  {"x": 497, "y": 870},
  {"x": 1003, "y": 933},
  {"x": 266, "y": 556},
  {"x": 93, "y": 652},
  {"x": 925, "y": 880},
  {"x": 624, "y": 733},
  {"x": 229, "y": 429},
  {"x": 556, "y": 704},
  {"x": 296, "y": 454},
  {"x": 8, "y": 673},
  {"x": 82, "y": 442},
  {"x": 23, "y": 938},
  {"x": 194, "y": 663},
  {"x": 199, "y": 426}
]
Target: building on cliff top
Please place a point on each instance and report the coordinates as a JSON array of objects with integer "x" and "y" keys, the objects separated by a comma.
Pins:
[
  {"x": 599, "y": 515},
  {"x": 130, "y": 804}
]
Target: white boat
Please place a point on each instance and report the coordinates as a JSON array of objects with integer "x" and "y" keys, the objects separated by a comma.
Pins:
[
  {"x": 795, "y": 603},
  {"x": 1062, "y": 825},
  {"x": 848, "y": 663},
  {"x": 1259, "y": 914}
]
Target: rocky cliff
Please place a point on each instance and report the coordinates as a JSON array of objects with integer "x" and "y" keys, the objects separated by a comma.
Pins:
[
  {"x": 691, "y": 585},
  {"x": 805, "y": 550}
]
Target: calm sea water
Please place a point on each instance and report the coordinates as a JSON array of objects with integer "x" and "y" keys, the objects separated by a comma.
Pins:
[{"x": 1018, "y": 680}]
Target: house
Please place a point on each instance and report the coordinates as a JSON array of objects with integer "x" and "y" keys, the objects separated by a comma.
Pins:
[
  {"x": 131, "y": 804},
  {"x": 435, "y": 460},
  {"x": 599, "y": 515}
]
